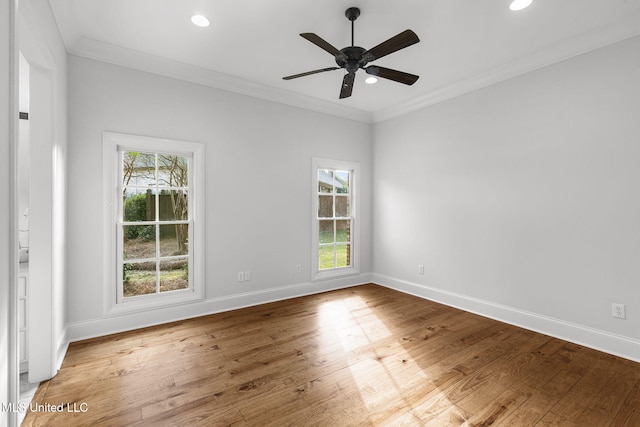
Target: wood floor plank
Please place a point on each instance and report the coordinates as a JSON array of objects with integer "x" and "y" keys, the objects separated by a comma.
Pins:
[
  {"x": 629, "y": 413},
  {"x": 497, "y": 409},
  {"x": 622, "y": 379},
  {"x": 551, "y": 419},
  {"x": 362, "y": 356}
]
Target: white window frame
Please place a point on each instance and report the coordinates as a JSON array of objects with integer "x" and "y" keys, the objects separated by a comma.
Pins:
[
  {"x": 354, "y": 268},
  {"x": 113, "y": 145}
]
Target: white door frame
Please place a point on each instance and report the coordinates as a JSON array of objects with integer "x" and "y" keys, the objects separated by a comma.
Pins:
[
  {"x": 13, "y": 367},
  {"x": 41, "y": 342}
]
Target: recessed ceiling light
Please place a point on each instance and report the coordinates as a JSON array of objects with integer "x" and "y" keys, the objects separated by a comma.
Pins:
[
  {"x": 519, "y": 4},
  {"x": 200, "y": 21},
  {"x": 370, "y": 80}
]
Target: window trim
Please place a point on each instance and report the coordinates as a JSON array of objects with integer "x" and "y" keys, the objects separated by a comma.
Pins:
[
  {"x": 112, "y": 146},
  {"x": 354, "y": 168}
]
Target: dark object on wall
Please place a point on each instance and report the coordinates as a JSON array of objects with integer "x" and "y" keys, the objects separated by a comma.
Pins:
[
  {"x": 353, "y": 57},
  {"x": 24, "y": 116}
]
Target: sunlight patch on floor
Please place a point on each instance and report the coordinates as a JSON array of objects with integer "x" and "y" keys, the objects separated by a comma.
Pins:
[
  {"x": 353, "y": 322},
  {"x": 380, "y": 373}
]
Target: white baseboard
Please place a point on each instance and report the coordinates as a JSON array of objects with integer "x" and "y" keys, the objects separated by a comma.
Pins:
[
  {"x": 61, "y": 349},
  {"x": 113, "y": 324},
  {"x": 617, "y": 345},
  {"x": 607, "y": 342}
]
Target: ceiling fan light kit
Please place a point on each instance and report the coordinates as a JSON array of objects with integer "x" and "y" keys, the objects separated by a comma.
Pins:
[
  {"x": 352, "y": 58},
  {"x": 200, "y": 21},
  {"x": 520, "y": 4}
]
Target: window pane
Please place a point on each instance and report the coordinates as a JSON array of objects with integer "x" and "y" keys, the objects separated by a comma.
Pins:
[
  {"x": 343, "y": 255},
  {"x": 342, "y": 206},
  {"x": 174, "y": 275},
  {"x": 342, "y": 182},
  {"x": 325, "y": 206},
  {"x": 174, "y": 239},
  {"x": 139, "y": 205},
  {"x": 172, "y": 171},
  {"x": 138, "y": 168},
  {"x": 335, "y": 218},
  {"x": 173, "y": 205},
  {"x": 139, "y": 241},
  {"x": 325, "y": 181},
  {"x": 326, "y": 232},
  {"x": 139, "y": 278},
  {"x": 326, "y": 257},
  {"x": 343, "y": 231}
]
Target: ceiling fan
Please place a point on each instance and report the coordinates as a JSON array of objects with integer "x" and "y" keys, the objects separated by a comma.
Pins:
[{"x": 352, "y": 58}]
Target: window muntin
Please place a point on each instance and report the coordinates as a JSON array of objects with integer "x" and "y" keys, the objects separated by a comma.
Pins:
[{"x": 155, "y": 224}]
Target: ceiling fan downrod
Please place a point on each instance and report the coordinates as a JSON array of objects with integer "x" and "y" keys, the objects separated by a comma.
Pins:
[{"x": 352, "y": 14}]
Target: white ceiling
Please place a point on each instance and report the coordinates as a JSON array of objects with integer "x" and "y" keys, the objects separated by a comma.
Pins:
[{"x": 252, "y": 44}]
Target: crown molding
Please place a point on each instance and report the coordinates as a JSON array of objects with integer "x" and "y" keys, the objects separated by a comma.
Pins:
[
  {"x": 116, "y": 55},
  {"x": 141, "y": 61},
  {"x": 570, "y": 48}
]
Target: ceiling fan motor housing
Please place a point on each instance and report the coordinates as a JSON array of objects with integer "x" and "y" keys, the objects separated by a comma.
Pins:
[{"x": 354, "y": 58}]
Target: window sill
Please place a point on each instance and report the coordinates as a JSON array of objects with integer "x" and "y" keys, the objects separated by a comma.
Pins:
[
  {"x": 334, "y": 273},
  {"x": 141, "y": 304}
]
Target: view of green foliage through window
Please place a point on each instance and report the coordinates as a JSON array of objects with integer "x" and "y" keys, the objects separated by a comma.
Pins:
[
  {"x": 334, "y": 219},
  {"x": 155, "y": 223}
]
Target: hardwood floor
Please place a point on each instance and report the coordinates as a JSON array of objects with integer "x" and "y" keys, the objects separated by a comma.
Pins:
[{"x": 363, "y": 356}]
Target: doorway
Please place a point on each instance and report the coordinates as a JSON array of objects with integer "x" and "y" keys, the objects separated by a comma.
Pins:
[
  {"x": 26, "y": 389},
  {"x": 39, "y": 197}
]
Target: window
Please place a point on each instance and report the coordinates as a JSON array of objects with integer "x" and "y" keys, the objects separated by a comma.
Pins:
[
  {"x": 335, "y": 248},
  {"x": 155, "y": 255}
]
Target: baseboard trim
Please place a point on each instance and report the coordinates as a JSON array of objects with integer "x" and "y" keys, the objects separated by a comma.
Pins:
[
  {"x": 61, "y": 350},
  {"x": 596, "y": 339},
  {"x": 78, "y": 331}
]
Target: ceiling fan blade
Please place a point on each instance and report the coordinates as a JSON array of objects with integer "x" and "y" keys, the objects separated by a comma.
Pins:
[
  {"x": 395, "y": 75},
  {"x": 347, "y": 85},
  {"x": 322, "y": 43},
  {"x": 308, "y": 73},
  {"x": 395, "y": 43}
]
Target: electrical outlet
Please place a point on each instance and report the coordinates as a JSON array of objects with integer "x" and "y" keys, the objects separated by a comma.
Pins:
[
  {"x": 421, "y": 269},
  {"x": 247, "y": 275},
  {"x": 240, "y": 276},
  {"x": 618, "y": 311},
  {"x": 298, "y": 269}
]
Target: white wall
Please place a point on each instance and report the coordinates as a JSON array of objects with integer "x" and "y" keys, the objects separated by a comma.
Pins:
[
  {"x": 258, "y": 188},
  {"x": 521, "y": 199}
]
